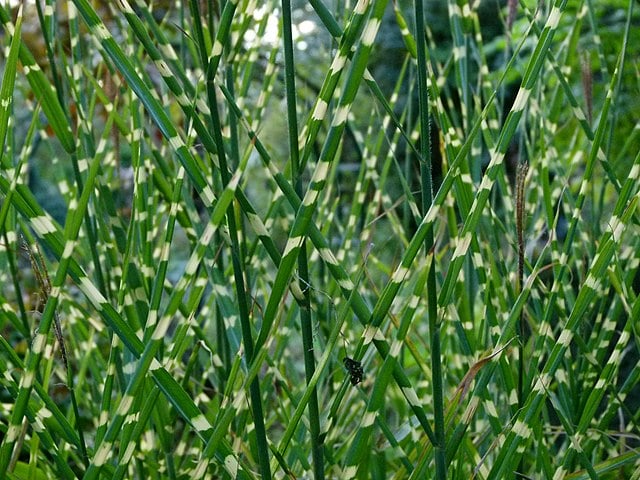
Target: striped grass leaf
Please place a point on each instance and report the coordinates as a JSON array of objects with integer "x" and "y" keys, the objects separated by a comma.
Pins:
[
  {"x": 202, "y": 229},
  {"x": 41, "y": 87},
  {"x": 6, "y": 90}
]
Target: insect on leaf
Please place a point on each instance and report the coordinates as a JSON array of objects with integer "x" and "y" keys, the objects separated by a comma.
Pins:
[{"x": 354, "y": 367}]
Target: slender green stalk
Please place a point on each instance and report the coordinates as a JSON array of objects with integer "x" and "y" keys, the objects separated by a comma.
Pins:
[
  {"x": 306, "y": 322},
  {"x": 238, "y": 268},
  {"x": 231, "y": 169},
  {"x": 427, "y": 202}
]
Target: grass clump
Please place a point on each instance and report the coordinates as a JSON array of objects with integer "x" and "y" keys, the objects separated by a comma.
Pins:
[{"x": 330, "y": 241}]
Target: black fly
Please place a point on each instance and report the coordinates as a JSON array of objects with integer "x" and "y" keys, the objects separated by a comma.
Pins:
[{"x": 355, "y": 370}]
